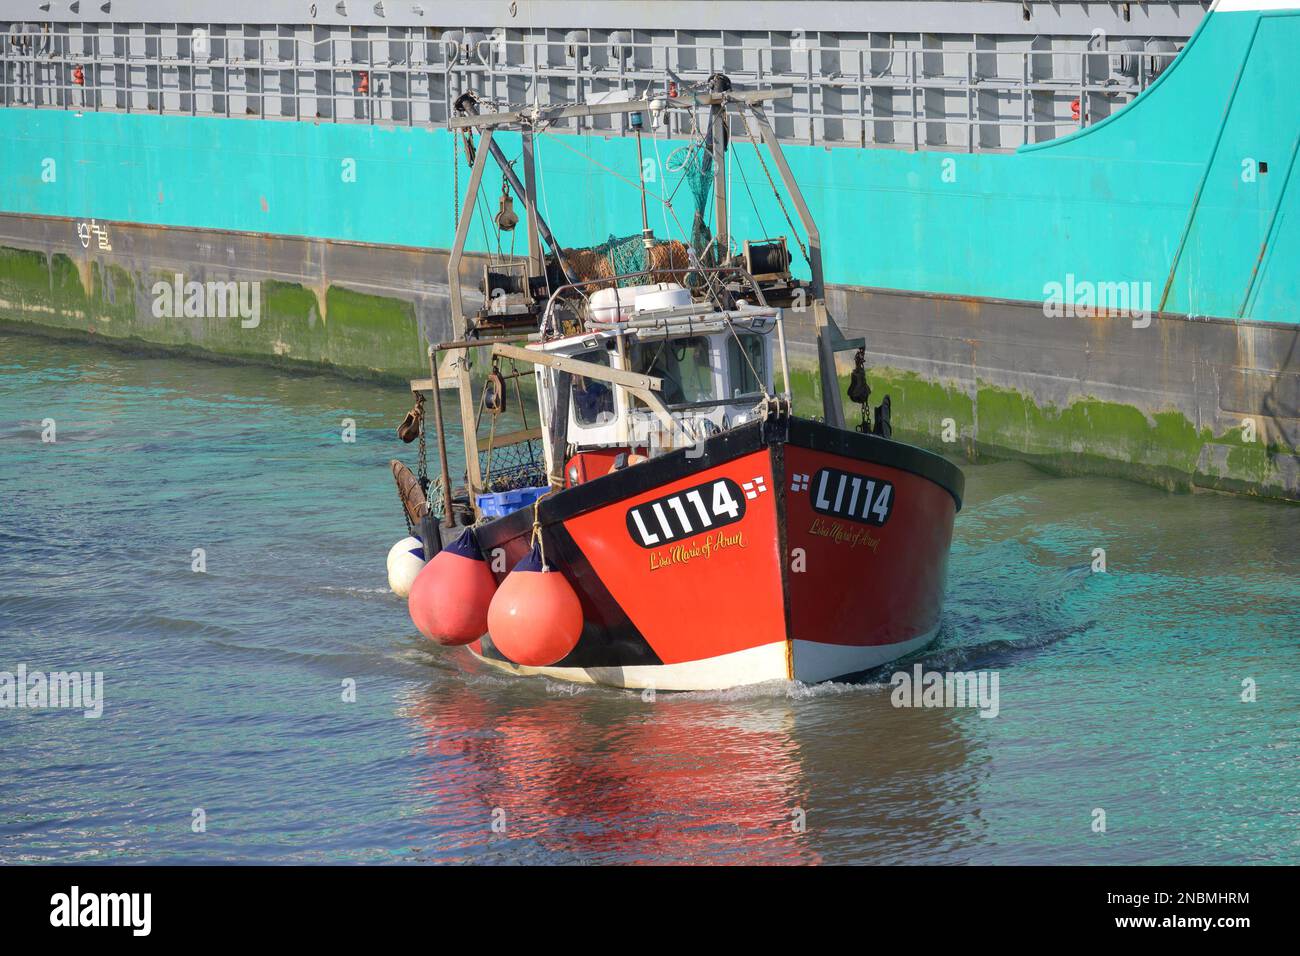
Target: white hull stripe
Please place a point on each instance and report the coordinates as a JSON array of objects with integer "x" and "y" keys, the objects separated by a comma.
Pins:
[
  {"x": 813, "y": 662},
  {"x": 750, "y": 666}
]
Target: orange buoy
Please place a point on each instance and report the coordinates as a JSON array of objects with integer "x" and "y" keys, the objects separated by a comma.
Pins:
[
  {"x": 450, "y": 596},
  {"x": 536, "y": 617}
]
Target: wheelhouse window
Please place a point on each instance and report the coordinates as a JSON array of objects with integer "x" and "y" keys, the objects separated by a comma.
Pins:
[
  {"x": 745, "y": 364},
  {"x": 685, "y": 365},
  {"x": 593, "y": 401}
]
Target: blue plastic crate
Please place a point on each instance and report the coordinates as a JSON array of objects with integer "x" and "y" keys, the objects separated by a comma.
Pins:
[{"x": 504, "y": 502}]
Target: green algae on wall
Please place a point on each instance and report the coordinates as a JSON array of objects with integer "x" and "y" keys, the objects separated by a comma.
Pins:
[
  {"x": 1088, "y": 436},
  {"x": 350, "y": 331},
  {"x": 369, "y": 335},
  {"x": 50, "y": 289},
  {"x": 378, "y": 332}
]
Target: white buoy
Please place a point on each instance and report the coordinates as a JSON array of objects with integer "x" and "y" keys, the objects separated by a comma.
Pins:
[{"x": 405, "y": 559}]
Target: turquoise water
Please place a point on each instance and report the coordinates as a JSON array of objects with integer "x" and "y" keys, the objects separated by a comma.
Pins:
[{"x": 223, "y": 690}]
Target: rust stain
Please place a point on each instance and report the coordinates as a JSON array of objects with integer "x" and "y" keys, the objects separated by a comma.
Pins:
[
  {"x": 1245, "y": 347},
  {"x": 85, "y": 273},
  {"x": 1254, "y": 274},
  {"x": 970, "y": 304}
]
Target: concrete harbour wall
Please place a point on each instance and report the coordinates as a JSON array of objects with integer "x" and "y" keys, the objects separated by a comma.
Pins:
[{"x": 1183, "y": 403}]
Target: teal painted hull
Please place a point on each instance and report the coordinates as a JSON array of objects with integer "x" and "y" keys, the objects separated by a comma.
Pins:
[{"x": 1170, "y": 194}]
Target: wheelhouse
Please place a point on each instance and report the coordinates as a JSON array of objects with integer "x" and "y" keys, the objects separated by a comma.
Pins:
[{"x": 713, "y": 371}]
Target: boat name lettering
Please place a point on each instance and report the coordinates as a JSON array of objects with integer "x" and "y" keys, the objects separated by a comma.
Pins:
[
  {"x": 705, "y": 507},
  {"x": 841, "y": 533},
  {"x": 842, "y": 494}
]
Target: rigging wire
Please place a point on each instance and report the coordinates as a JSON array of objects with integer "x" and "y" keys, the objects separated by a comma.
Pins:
[
  {"x": 482, "y": 215},
  {"x": 692, "y": 154},
  {"x": 663, "y": 171},
  {"x": 541, "y": 177},
  {"x": 613, "y": 172},
  {"x": 745, "y": 181},
  {"x": 775, "y": 192}
]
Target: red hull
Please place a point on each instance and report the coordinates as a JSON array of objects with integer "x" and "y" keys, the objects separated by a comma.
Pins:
[{"x": 778, "y": 551}]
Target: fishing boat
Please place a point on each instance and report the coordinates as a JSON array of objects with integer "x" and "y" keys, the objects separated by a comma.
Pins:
[{"x": 667, "y": 522}]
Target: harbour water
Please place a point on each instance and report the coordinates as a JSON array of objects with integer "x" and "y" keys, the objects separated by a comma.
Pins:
[{"x": 224, "y": 691}]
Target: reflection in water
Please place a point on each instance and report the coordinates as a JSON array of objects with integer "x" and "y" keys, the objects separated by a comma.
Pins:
[
  {"x": 753, "y": 775},
  {"x": 604, "y": 776}
]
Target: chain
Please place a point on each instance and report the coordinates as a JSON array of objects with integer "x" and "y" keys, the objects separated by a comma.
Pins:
[{"x": 422, "y": 467}]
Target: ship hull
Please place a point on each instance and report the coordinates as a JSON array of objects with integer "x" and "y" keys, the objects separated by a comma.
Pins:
[{"x": 782, "y": 550}]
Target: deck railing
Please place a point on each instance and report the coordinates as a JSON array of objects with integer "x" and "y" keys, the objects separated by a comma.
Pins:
[{"x": 904, "y": 95}]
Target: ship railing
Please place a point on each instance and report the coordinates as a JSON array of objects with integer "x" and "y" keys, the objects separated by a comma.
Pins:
[
  {"x": 684, "y": 316},
  {"x": 711, "y": 287},
  {"x": 915, "y": 80},
  {"x": 895, "y": 96}
]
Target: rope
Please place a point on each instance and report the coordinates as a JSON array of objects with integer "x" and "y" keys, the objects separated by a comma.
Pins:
[
  {"x": 519, "y": 394},
  {"x": 537, "y": 538}
]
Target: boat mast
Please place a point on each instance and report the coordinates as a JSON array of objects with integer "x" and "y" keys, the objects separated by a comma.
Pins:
[
  {"x": 720, "y": 85},
  {"x": 459, "y": 360}
]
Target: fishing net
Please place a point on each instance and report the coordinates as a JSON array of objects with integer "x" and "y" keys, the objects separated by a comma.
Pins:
[
  {"x": 626, "y": 256},
  {"x": 504, "y": 468},
  {"x": 518, "y": 465},
  {"x": 697, "y": 167}
]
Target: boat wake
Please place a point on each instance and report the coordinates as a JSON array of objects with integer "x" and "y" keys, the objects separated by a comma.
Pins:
[{"x": 986, "y": 655}]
